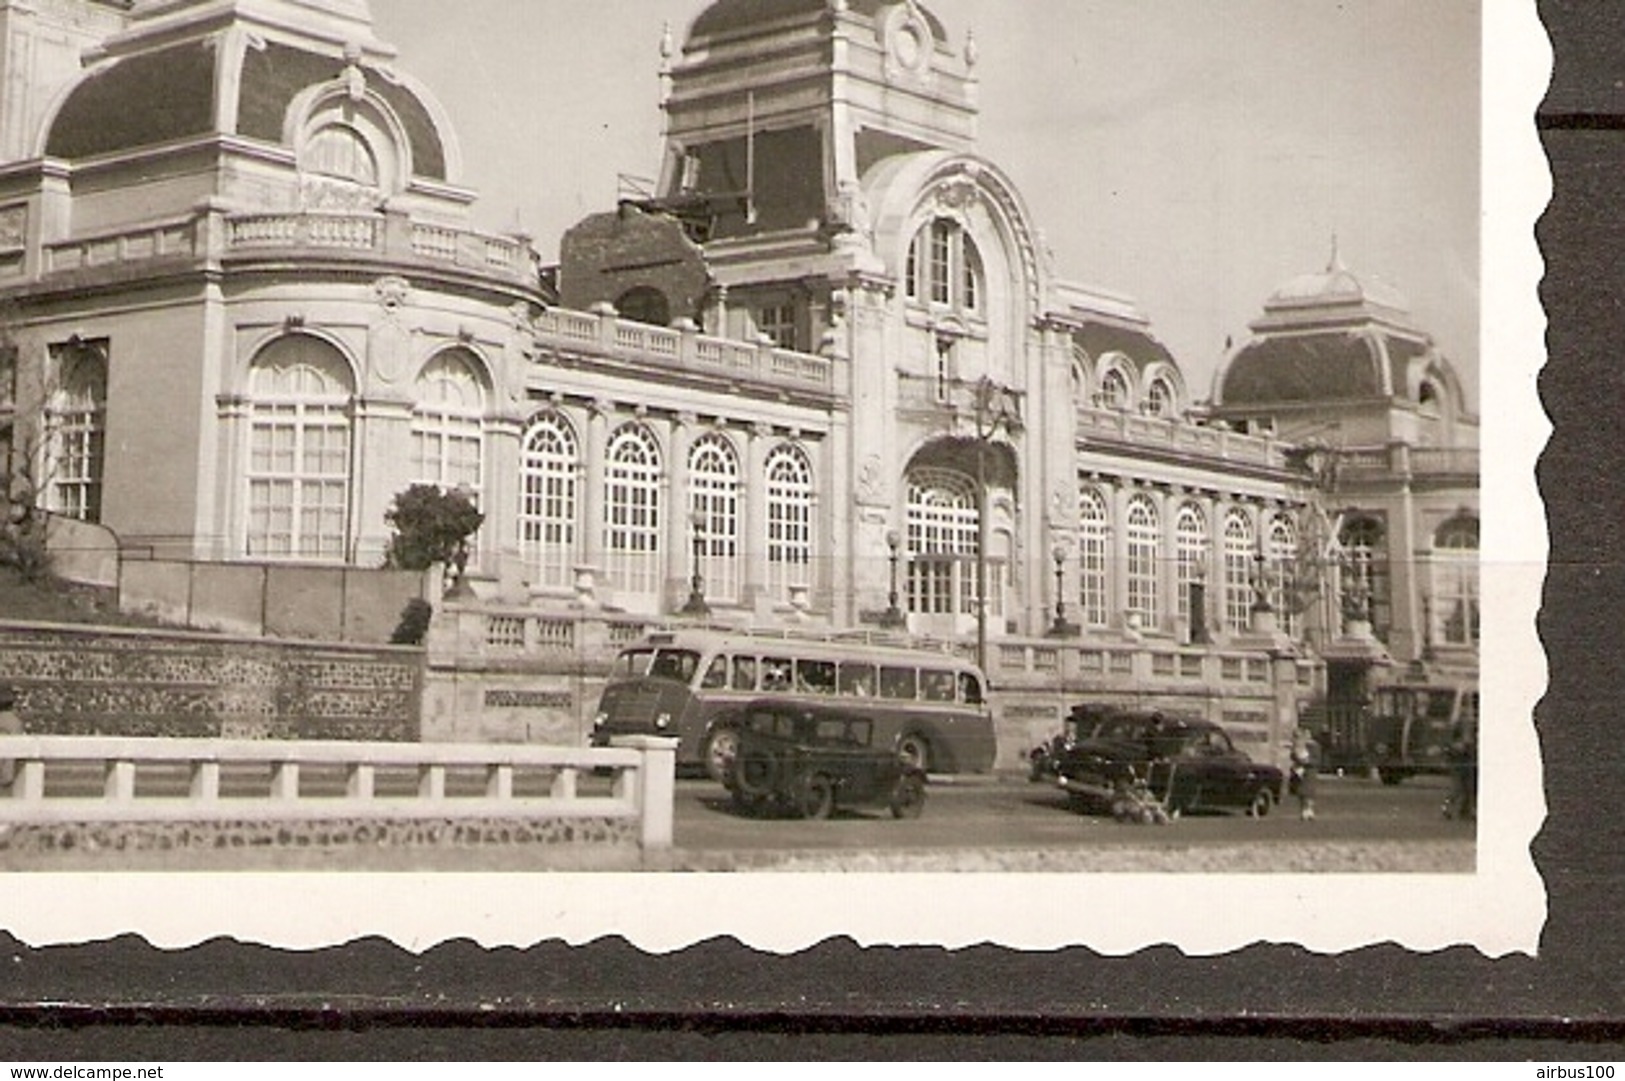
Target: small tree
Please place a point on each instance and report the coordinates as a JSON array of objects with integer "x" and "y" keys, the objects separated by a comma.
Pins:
[{"x": 431, "y": 526}]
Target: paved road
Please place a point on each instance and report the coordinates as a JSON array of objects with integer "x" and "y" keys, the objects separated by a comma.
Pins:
[{"x": 985, "y": 812}]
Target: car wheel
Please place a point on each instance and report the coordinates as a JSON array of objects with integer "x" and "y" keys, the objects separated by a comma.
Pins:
[
  {"x": 1262, "y": 803},
  {"x": 1390, "y": 776},
  {"x": 908, "y": 797},
  {"x": 754, "y": 775},
  {"x": 817, "y": 797},
  {"x": 914, "y": 751},
  {"x": 746, "y": 803},
  {"x": 721, "y": 747}
]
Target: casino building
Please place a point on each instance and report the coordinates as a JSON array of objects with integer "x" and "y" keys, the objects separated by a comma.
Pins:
[{"x": 823, "y": 374}]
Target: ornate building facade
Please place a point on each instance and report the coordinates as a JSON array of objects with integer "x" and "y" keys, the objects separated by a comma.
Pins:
[{"x": 824, "y": 375}]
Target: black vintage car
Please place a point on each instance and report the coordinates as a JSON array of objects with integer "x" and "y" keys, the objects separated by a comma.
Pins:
[
  {"x": 1186, "y": 763},
  {"x": 804, "y": 760}
]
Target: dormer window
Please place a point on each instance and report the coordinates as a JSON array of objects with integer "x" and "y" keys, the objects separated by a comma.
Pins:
[
  {"x": 1114, "y": 390},
  {"x": 1159, "y": 399},
  {"x": 944, "y": 268},
  {"x": 339, "y": 151}
]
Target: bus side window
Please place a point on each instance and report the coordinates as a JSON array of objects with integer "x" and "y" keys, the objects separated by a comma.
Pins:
[
  {"x": 970, "y": 689},
  {"x": 716, "y": 676},
  {"x": 937, "y": 686},
  {"x": 897, "y": 683},
  {"x": 857, "y": 679},
  {"x": 776, "y": 674},
  {"x": 744, "y": 674},
  {"x": 815, "y": 677}
]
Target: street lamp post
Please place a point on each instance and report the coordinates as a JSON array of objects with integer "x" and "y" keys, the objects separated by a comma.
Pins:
[
  {"x": 695, "y": 605},
  {"x": 1061, "y": 628},
  {"x": 994, "y": 412},
  {"x": 893, "y": 616}
]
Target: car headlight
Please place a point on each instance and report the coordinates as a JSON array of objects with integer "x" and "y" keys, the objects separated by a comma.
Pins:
[
  {"x": 663, "y": 720},
  {"x": 600, "y": 719}
]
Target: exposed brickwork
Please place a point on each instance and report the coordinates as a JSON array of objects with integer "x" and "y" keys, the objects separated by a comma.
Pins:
[
  {"x": 96, "y": 681},
  {"x": 608, "y": 255}
]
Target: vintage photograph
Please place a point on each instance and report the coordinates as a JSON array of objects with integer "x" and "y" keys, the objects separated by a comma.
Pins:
[{"x": 972, "y": 455}]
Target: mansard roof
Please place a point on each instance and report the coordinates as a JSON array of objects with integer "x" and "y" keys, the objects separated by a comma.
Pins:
[{"x": 725, "y": 17}]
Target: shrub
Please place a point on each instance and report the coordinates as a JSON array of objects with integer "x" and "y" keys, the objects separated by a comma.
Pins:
[{"x": 431, "y": 526}]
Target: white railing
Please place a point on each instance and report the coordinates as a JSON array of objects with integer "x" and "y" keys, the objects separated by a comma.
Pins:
[{"x": 641, "y": 786}]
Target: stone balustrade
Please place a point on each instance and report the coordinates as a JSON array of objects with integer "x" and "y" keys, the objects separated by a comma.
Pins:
[
  {"x": 604, "y": 333},
  {"x": 178, "y": 793}
]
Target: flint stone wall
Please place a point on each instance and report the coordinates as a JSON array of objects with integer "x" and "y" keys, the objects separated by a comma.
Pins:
[{"x": 103, "y": 681}]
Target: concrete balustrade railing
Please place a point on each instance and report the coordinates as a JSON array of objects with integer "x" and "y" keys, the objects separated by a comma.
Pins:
[{"x": 640, "y": 787}]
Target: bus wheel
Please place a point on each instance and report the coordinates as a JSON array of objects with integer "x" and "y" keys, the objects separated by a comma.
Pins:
[
  {"x": 721, "y": 747},
  {"x": 914, "y": 751},
  {"x": 908, "y": 797},
  {"x": 1263, "y": 802},
  {"x": 817, "y": 797}
]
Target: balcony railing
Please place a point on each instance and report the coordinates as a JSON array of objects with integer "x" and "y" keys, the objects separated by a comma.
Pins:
[
  {"x": 1400, "y": 460},
  {"x": 1118, "y": 426},
  {"x": 685, "y": 349}
]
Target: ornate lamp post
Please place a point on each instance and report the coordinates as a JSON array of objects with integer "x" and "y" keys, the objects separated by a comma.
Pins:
[
  {"x": 1061, "y": 628},
  {"x": 995, "y": 411},
  {"x": 893, "y": 616},
  {"x": 695, "y": 605}
]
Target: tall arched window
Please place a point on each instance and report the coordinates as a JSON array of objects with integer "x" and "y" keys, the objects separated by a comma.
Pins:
[
  {"x": 943, "y": 540},
  {"x": 1114, "y": 392},
  {"x": 1364, "y": 540},
  {"x": 632, "y": 511},
  {"x": 1282, "y": 554},
  {"x": 76, "y": 428},
  {"x": 789, "y": 520},
  {"x": 1094, "y": 548},
  {"x": 1455, "y": 582},
  {"x": 550, "y": 460},
  {"x": 1190, "y": 538},
  {"x": 300, "y": 390},
  {"x": 448, "y": 425},
  {"x": 1238, "y": 570},
  {"x": 713, "y": 503},
  {"x": 944, "y": 268},
  {"x": 1144, "y": 536}
]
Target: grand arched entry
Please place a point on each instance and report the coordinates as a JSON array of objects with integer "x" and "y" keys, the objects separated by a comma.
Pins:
[{"x": 953, "y": 559}]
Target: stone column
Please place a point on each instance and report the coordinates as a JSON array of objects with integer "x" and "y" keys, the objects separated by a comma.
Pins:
[
  {"x": 593, "y": 563},
  {"x": 753, "y": 514},
  {"x": 679, "y": 535}
]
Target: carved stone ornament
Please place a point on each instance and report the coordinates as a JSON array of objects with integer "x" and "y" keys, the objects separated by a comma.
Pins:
[
  {"x": 958, "y": 193},
  {"x": 392, "y": 292},
  {"x": 872, "y": 482},
  {"x": 907, "y": 39},
  {"x": 13, "y": 227}
]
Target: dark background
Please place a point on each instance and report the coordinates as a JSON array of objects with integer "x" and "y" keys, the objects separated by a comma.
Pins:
[{"x": 371, "y": 1000}]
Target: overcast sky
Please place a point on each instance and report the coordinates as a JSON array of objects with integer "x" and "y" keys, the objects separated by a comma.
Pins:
[{"x": 1194, "y": 154}]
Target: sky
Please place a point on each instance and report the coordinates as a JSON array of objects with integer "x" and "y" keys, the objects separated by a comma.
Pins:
[{"x": 1193, "y": 154}]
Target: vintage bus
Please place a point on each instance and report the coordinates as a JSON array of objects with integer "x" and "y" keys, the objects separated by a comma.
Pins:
[
  {"x": 931, "y": 706},
  {"x": 1407, "y": 728}
]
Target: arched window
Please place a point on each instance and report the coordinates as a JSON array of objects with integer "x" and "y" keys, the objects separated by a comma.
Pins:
[
  {"x": 1159, "y": 398},
  {"x": 300, "y": 391},
  {"x": 713, "y": 503},
  {"x": 632, "y": 512},
  {"x": 1455, "y": 582},
  {"x": 1190, "y": 537},
  {"x": 1282, "y": 554},
  {"x": 789, "y": 520},
  {"x": 1094, "y": 548},
  {"x": 338, "y": 150},
  {"x": 1364, "y": 541},
  {"x": 1143, "y": 535},
  {"x": 943, "y": 540},
  {"x": 448, "y": 441},
  {"x": 1238, "y": 570},
  {"x": 76, "y": 429},
  {"x": 1114, "y": 392},
  {"x": 550, "y": 459},
  {"x": 944, "y": 268}
]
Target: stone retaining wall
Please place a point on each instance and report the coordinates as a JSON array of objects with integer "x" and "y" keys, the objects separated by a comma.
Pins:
[{"x": 106, "y": 681}]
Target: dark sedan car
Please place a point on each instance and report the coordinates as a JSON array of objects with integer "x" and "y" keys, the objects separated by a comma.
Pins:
[
  {"x": 806, "y": 760},
  {"x": 1186, "y": 763}
]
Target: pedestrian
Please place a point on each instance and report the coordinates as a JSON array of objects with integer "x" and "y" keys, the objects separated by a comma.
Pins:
[
  {"x": 1305, "y": 771},
  {"x": 10, "y": 725},
  {"x": 1463, "y": 800}
]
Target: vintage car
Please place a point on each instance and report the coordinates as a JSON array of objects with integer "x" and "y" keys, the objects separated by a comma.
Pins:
[
  {"x": 806, "y": 760},
  {"x": 1185, "y": 763}
]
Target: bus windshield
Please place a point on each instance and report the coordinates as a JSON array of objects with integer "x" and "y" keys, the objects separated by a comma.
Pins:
[{"x": 674, "y": 664}]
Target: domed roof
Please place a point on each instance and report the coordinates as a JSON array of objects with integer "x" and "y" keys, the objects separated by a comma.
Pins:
[
  {"x": 735, "y": 16},
  {"x": 1333, "y": 366},
  {"x": 150, "y": 98},
  {"x": 1336, "y": 286}
]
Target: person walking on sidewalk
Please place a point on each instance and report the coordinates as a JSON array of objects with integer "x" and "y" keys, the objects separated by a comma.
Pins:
[{"x": 1305, "y": 770}]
